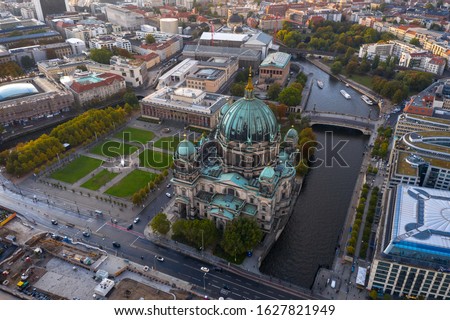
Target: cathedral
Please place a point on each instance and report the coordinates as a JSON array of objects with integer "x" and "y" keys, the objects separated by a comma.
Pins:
[{"x": 244, "y": 168}]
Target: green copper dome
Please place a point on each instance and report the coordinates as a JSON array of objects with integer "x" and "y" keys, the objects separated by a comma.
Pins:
[
  {"x": 249, "y": 120},
  {"x": 291, "y": 134},
  {"x": 185, "y": 149}
]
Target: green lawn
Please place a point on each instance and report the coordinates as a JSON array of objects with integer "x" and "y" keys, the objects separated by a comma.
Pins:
[
  {"x": 155, "y": 159},
  {"x": 364, "y": 80},
  {"x": 133, "y": 182},
  {"x": 167, "y": 143},
  {"x": 113, "y": 149},
  {"x": 100, "y": 179},
  {"x": 135, "y": 135},
  {"x": 77, "y": 169}
]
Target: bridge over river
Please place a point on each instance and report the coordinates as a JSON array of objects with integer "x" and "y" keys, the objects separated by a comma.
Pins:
[{"x": 363, "y": 124}]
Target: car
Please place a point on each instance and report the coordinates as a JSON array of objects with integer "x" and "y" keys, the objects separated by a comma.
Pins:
[
  {"x": 137, "y": 220},
  {"x": 54, "y": 222},
  {"x": 130, "y": 227},
  {"x": 168, "y": 195},
  {"x": 204, "y": 269},
  {"x": 116, "y": 244},
  {"x": 86, "y": 234},
  {"x": 169, "y": 185},
  {"x": 219, "y": 269},
  {"x": 159, "y": 258}
]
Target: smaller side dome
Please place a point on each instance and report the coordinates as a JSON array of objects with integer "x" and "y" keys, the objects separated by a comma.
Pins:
[
  {"x": 267, "y": 175},
  {"x": 185, "y": 150},
  {"x": 291, "y": 135}
]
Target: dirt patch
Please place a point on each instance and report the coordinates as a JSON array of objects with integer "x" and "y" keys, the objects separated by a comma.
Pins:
[{"x": 129, "y": 289}]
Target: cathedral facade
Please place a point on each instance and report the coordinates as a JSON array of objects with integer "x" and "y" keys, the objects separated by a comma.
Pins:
[{"x": 245, "y": 168}]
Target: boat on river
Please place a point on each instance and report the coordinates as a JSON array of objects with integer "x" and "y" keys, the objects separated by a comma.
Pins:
[
  {"x": 320, "y": 84},
  {"x": 346, "y": 95},
  {"x": 367, "y": 100}
]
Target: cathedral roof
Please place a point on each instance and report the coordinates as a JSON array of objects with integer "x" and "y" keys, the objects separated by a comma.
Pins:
[
  {"x": 249, "y": 119},
  {"x": 291, "y": 134},
  {"x": 185, "y": 149}
]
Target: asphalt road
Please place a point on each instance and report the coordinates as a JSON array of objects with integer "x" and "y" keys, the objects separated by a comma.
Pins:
[{"x": 134, "y": 245}]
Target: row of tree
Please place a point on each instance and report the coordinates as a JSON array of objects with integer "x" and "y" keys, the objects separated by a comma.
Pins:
[
  {"x": 307, "y": 142},
  {"x": 351, "y": 243},
  {"x": 30, "y": 155},
  {"x": 10, "y": 69},
  {"x": 380, "y": 147},
  {"x": 88, "y": 125},
  {"x": 368, "y": 225},
  {"x": 141, "y": 195}
]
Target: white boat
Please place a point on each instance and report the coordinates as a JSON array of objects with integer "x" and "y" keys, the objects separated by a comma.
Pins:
[
  {"x": 320, "y": 84},
  {"x": 367, "y": 100},
  {"x": 345, "y": 94}
]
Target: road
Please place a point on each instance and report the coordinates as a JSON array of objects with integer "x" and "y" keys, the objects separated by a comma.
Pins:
[{"x": 241, "y": 285}]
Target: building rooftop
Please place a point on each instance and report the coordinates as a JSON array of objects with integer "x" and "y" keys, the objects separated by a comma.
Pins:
[
  {"x": 421, "y": 224},
  {"x": 432, "y": 142},
  {"x": 15, "y": 90},
  {"x": 403, "y": 167},
  {"x": 277, "y": 59},
  {"x": 221, "y": 36},
  {"x": 187, "y": 99}
]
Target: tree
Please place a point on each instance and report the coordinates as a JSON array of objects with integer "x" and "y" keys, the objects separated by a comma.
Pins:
[
  {"x": 100, "y": 55},
  {"x": 415, "y": 42},
  {"x": 27, "y": 62},
  {"x": 273, "y": 91},
  {"x": 375, "y": 62},
  {"x": 336, "y": 67},
  {"x": 290, "y": 96},
  {"x": 149, "y": 39},
  {"x": 160, "y": 223},
  {"x": 241, "y": 235},
  {"x": 130, "y": 98},
  {"x": 352, "y": 67},
  {"x": 122, "y": 52},
  {"x": 238, "y": 89}
]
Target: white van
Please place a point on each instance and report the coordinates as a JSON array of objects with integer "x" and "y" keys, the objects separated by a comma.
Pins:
[{"x": 333, "y": 284}]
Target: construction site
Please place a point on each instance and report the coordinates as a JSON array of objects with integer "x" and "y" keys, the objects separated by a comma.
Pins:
[{"x": 46, "y": 266}]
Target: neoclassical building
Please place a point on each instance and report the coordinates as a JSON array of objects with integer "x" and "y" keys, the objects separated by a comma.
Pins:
[{"x": 244, "y": 168}]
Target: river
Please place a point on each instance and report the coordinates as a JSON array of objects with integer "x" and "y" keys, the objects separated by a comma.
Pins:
[{"x": 310, "y": 238}]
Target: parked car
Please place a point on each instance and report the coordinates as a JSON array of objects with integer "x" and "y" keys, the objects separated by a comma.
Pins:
[
  {"x": 86, "y": 234},
  {"x": 168, "y": 195},
  {"x": 54, "y": 222},
  {"x": 169, "y": 185},
  {"x": 116, "y": 244},
  {"x": 137, "y": 220}
]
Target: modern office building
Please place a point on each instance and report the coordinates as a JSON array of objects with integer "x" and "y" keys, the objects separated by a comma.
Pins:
[
  {"x": 411, "y": 122},
  {"x": 421, "y": 158},
  {"x": 244, "y": 171},
  {"x": 412, "y": 255},
  {"x": 47, "y": 7},
  {"x": 128, "y": 19}
]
